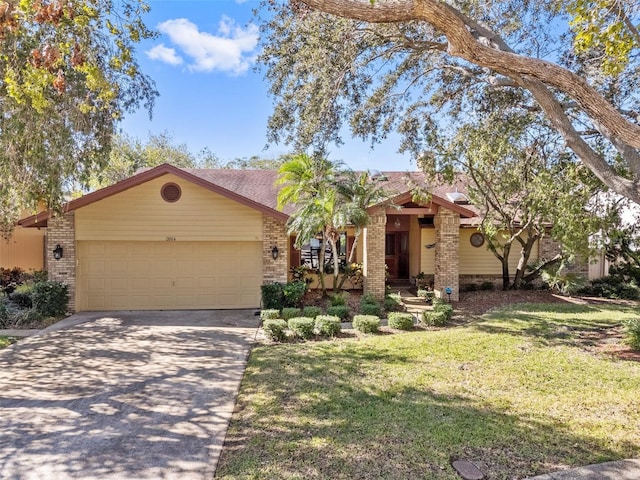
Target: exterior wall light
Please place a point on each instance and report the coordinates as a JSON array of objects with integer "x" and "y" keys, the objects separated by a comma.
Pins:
[
  {"x": 58, "y": 252},
  {"x": 275, "y": 252}
]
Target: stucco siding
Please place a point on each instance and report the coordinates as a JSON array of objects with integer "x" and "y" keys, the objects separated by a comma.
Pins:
[
  {"x": 141, "y": 214},
  {"x": 24, "y": 249}
]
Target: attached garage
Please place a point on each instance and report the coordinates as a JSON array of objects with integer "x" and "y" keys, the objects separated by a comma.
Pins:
[
  {"x": 169, "y": 239},
  {"x": 168, "y": 243},
  {"x": 139, "y": 275}
]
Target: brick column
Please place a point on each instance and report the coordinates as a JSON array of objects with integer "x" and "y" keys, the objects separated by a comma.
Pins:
[
  {"x": 61, "y": 231},
  {"x": 373, "y": 257},
  {"x": 447, "y": 224},
  {"x": 274, "y": 233}
]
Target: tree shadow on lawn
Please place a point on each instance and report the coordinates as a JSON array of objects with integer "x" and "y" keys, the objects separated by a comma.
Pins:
[
  {"x": 569, "y": 327},
  {"x": 315, "y": 415}
]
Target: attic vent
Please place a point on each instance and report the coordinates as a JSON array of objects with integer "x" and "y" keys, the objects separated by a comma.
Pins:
[
  {"x": 458, "y": 198},
  {"x": 170, "y": 192}
]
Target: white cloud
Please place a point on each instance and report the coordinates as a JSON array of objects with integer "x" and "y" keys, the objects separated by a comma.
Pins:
[
  {"x": 230, "y": 50},
  {"x": 164, "y": 54}
]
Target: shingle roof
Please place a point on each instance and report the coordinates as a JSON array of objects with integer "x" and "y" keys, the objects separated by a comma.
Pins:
[{"x": 255, "y": 188}]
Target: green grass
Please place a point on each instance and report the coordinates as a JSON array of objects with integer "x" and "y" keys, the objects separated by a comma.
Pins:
[
  {"x": 5, "y": 342},
  {"x": 517, "y": 392}
]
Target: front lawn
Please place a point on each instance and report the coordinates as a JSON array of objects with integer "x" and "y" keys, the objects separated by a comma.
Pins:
[{"x": 522, "y": 391}]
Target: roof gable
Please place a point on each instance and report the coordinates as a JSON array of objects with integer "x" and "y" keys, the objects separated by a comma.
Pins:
[{"x": 238, "y": 194}]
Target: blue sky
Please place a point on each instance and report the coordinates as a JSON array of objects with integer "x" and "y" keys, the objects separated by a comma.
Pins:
[{"x": 210, "y": 95}]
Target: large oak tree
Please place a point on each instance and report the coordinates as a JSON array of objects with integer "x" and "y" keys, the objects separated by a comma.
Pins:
[{"x": 418, "y": 66}]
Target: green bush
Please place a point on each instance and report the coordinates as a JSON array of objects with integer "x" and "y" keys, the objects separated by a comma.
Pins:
[
  {"x": 370, "y": 309},
  {"x": 275, "y": 329},
  {"x": 293, "y": 293},
  {"x": 366, "y": 323},
  {"x": 613, "y": 286},
  {"x": 24, "y": 318},
  {"x": 446, "y": 308},
  {"x": 290, "y": 312},
  {"x": 272, "y": 298},
  {"x": 50, "y": 298},
  {"x": 633, "y": 333},
  {"x": 393, "y": 303},
  {"x": 328, "y": 325},
  {"x": 269, "y": 314},
  {"x": 311, "y": 311},
  {"x": 401, "y": 321},
  {"x": 279, "y": 295},
  {"x": 487, "y": 286},
  {"x": 22, "y": 295},
  {"x": 434, "y": 319},
  {"x": 340, "y": 311},
  {"x": 368, "y": 298},
  {"x": 301, "y": 326},
  {"x": 4, "y": 315},
  {"x": 338, "y": 299}
]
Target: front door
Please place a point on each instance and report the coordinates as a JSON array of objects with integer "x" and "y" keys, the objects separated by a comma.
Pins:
[{"x": 397, "y": 255}]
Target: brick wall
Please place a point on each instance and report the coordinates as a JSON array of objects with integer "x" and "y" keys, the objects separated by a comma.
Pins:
[
  {"x": 447, "y": 224},
  {"x": 61, "y": 231},
  {"x": 549, "y": 248},
  {"x": 274, "y": 233},
  {"x": 373, "y": 261},
  {"x": 476, "y": 280}
]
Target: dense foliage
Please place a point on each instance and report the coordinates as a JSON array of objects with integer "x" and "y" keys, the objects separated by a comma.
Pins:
[{"x": 68, "y": 75}]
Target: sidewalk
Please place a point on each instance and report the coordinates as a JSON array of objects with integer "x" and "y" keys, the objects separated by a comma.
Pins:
[
  {"x": 17, "y": 333},
  {"x": 620, "y": 470}
]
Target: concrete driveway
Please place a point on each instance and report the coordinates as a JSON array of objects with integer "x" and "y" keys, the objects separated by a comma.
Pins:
[{"x": 122, "y": 395}]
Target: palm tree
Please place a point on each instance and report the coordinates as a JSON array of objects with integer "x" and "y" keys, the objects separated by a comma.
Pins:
[
  {"x": 308, "y": 182},
  {"x": 358, "y": 192}
]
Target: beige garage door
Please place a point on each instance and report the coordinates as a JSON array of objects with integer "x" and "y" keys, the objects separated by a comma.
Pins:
[{"x": 168, "y": 275}]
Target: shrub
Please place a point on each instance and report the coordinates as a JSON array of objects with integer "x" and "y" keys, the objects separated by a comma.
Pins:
[
  {"x": 272, "y": 298},
  {"x": 50, "y": 298},
  {"x": 293, "y": 293},
  {"x": 280, "y": 295},
  {"x": 370, "y": 309},
  {"x": 338, "y": 299},
  {"x": 10, "y": 278},
  {"x": 393, "y": 303},
  {"x": 433, "y": 318},
  {"x": 401, "y": 321},
  {"x": 4, "y": 315},
  {"x": 368, "y": 298},
  {"x": 446, "y": 308},
  {"x": 22, "y": 295},
  {"x": 301, "y": 326},
  {"x": 328, "y": 325},
  {"x": 275, "y": 329},
  {"x": 290, "y": 312},
  {"x": 633, "y": 333},
  {"x": 613, "y": 286},
  {"x": 340, "y": 311},
  {"x": 24, "y": 318},
  {"x": 269, "y": 314},
  {"x": 487, "y": 286},
  {"x": 366, "y": 323},
  {"x": 35, "y": 276},
  {"x": 311, "y": 311}
]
